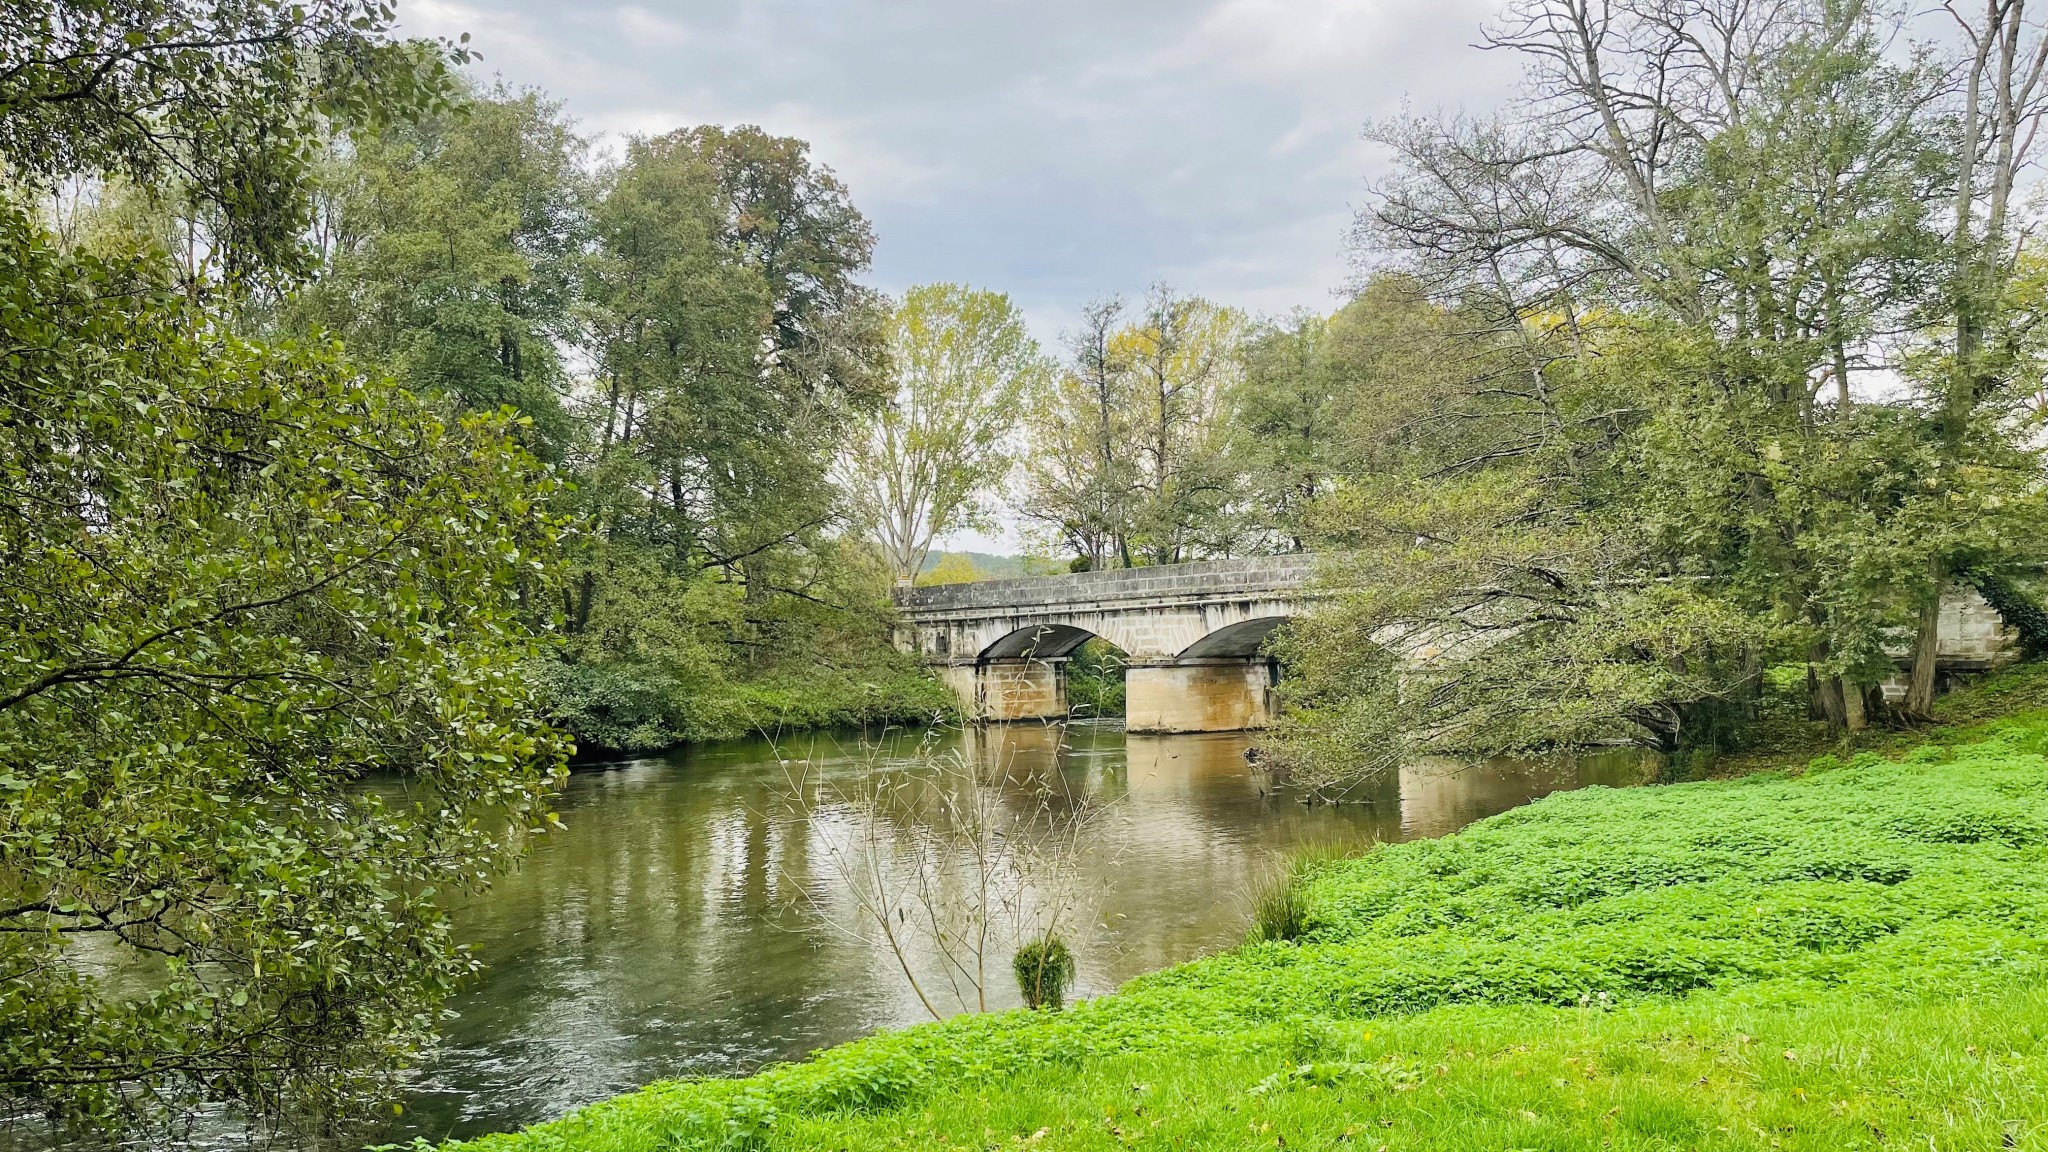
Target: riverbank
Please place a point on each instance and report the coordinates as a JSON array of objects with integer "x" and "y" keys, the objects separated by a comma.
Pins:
[
  {"x": 614, "y": 712},
  {"x": 1836, "y": 955}
]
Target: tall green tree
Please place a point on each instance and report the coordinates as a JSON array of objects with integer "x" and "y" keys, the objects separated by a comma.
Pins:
[
  {"x": 1183, "y": 355},
  {"x": 735, "y": 352},
  {"x": 1131, "y": 447},
  {"x": 220, "y": 105},
  {"x": 930, "y": 462},
  {"x": 453, "y": 248},
  {"x": 1648, "y": 474},
  {"x": 1081, "y": 477},
  {"x": 244, "y": 580},
  {"x": 1288, "y": 405},
  {"x": 1988, "y": 362}
]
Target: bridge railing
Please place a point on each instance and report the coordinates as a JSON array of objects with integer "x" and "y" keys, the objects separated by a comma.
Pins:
[{"x": 1163, "y": 581}]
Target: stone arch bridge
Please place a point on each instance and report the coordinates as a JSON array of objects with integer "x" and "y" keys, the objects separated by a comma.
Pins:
[{"x": 1192, "y": 635}]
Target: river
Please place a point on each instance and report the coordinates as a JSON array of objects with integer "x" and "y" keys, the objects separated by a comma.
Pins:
[{"x": 700, "y": 913}]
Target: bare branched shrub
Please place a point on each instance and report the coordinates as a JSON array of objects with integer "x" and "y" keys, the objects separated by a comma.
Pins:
[{"x": 948, "y": 861}]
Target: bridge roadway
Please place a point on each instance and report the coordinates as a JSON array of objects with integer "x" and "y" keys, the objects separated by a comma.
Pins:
[{"x": 1191, "y": 634}]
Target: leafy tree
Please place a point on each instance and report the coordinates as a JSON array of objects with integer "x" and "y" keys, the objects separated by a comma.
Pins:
[
  {"x": 1641, "y": 473},
  {"x": 1288, "y": 405},
  {"x": 244, "y": 582},
  {"x": 952, "y": 568},
  {"x": 1183, "y": 355},
  {"x": 1081, "y": 477},
  {"x": 733, "y": 344},
  {"x": 453, "y": 250},
  {"x": 926, "y": 464},
  {"x": 734, "y": 351},
  {"x": 266, "y": 617},
  {"x": 1131, "y": 448},
  {"x": 1981, "y": 372},
  {"x": 221, "y": 102}
]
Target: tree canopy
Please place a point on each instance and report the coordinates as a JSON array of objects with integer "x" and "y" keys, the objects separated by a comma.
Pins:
[
  {"x": 267, "y": 614},
  {"x": 1707, "y": 386}
]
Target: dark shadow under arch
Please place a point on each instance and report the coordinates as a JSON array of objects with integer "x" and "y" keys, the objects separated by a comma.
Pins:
[
  {"x": 1038, "y": 642},
  {"x": 1243, "y": 639}
]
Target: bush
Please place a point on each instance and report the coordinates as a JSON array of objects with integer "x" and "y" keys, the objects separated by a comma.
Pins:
[
  {"x": 1095, "y": 680},
  {"x": 1280, "y": 900},
  {"x": 1044, "y": 969},
  {"x": 621, "y": 707}
]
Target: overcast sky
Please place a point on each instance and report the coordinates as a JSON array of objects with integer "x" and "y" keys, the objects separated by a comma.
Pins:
[{"x": 1056, "y": 150}]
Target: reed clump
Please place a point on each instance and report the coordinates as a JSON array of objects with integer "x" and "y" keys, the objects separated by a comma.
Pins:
[{"x": 1045, "y": 970}]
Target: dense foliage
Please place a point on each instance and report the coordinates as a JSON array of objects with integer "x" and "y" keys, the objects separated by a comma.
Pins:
[
  {"x": 1095, "y": 680},
  {"x": 708, "y": 279},
  {"x": 451, "y": 249},
  {"x": 217, "y": 107},
  {"x": 1130, "y": 446},
  {"x": 266, "y": 615},
  {"x": 1793, "y": 960},
  {"x": 1748, "y": 377},
  {"x": 242, "y": 581},
  {"x": 931, "y": 462}
]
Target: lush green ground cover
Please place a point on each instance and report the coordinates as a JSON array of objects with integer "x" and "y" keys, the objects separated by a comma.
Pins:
[{"x": 1846, "y": 955}]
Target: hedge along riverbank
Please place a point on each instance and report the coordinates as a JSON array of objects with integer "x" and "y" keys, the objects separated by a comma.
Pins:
[{"x": 1847, "y": 955}]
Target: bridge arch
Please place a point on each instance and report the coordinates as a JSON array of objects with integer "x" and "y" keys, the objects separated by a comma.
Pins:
[
  {"x": 1242, "y": 640},
  {"x": 1041, "y": 641}
]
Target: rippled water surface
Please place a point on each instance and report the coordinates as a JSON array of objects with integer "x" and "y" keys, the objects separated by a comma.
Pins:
[{"x": 682, "y": 923}]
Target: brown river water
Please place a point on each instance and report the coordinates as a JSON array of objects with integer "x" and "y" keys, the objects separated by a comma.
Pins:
[{"x": 692, "y": 917}]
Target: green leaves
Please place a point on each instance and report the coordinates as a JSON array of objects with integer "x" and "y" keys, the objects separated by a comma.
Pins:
[
  {"x": 220, "y": 105},
  {"x": 932, "y": 460},
  {"x": 264, "y": 621}
]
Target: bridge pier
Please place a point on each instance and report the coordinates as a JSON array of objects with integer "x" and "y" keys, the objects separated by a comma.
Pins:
[
  {"x": 1217, "y": 695},
  {"x": 996, "y": 691}
]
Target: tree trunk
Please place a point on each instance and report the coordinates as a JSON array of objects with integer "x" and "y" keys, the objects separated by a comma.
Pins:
[
  {"x": 1828, "y": 703},
  {"x": 1919, "y": 701},
  {"x": 586, "y": 589}
]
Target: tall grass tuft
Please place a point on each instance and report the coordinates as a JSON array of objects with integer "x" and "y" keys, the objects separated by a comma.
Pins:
[
  {"x": 1280, "y": 899},
  {"x": 1044, "y": 971}
]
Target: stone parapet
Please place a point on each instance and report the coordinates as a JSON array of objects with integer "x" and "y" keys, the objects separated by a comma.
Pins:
[{"x": 1197, "y": 579}]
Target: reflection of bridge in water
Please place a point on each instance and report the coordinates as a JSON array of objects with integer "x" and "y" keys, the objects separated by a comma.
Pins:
[
  {"x": 1186, "y": 826},
  {"x": 1192, "y": 635}
]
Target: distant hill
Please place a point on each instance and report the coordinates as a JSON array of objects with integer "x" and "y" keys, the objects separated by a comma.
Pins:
[{"x": 988, "y": 566}]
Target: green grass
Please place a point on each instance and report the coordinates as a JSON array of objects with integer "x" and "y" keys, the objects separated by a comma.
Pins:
[{"x": 1851, "y": 953}]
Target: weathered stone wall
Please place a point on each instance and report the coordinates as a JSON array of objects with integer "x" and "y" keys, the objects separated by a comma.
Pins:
[
  {"x": 1972, "y": 635},
  {"x": 1223, "y": 696}
]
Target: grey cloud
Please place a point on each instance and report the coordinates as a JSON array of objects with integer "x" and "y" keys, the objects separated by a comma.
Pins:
[{"x": 1054, "y": 149}]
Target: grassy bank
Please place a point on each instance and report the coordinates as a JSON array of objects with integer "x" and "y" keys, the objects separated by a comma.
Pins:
[{"x": 1850, "y": 953}]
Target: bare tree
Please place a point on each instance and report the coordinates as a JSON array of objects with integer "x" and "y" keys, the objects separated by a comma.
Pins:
[
  {"x": 928, "y": 462},
  {"x": 950, "y": 862}
]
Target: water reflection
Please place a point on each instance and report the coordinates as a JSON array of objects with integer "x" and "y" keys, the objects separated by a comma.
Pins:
[{"x": 677, "y": 924}]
